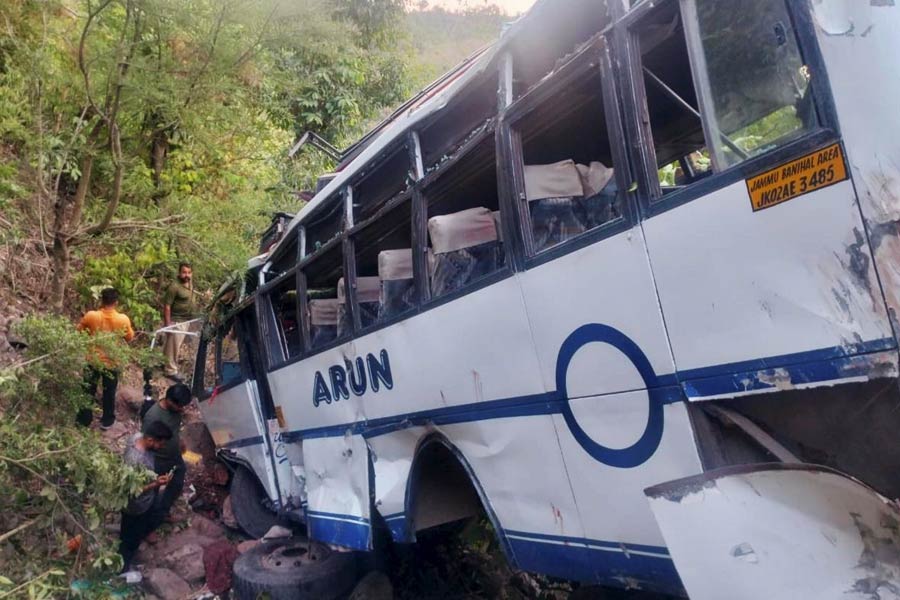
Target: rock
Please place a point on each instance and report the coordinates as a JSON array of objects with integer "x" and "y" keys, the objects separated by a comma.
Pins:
[
  {"x": 218, "y": 562},
  {"x": 116, "y": 430},
  {"x": 130, "y": 398},
  {"x": 228, "y": 517},
  {"x": 166, "y": 584},
  {"x": 248, "y": 545},
  {"x": 206, "y": 527},
  {"x": 196, "y": 437},
  {"x": 276, "y": 532},
  {"x": 374, "y": 586},
  {"x": 187, "y": 562}
]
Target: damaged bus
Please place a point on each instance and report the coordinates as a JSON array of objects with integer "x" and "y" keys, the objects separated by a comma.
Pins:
[{"x": 625, "y": 282}]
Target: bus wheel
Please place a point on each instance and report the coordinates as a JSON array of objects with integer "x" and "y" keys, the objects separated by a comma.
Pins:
[
  {"x": 247, "y": 497},
  {"x": 293, "y": 569}
]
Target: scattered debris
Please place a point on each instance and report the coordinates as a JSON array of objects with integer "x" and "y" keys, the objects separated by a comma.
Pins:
[{"x": 166, "y": 585}]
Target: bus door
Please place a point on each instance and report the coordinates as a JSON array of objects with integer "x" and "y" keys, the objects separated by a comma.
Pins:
[
  {"x": 763, "y": 269},
  {"x": 595, "y": 319},
  {"x": 236, "y": 411}
]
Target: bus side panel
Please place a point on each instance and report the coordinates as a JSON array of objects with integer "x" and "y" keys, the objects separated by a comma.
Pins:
[
  {"x": 861, "y": 49},
  {"x": 468, "y": 364},
  {"x": 475, "y": 349},
  {"x": 608, "y": 283},
  {"x": 771, "y": 290},
  {"x": 236, "y": 425},
  {"x": 624, "y": 542}
]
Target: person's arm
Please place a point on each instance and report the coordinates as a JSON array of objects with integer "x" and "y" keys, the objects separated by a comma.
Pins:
[
  {"x": 82, "y": 324},
  {"x": 168, "y": 299},
  {"x": 129, "y": 330},
  {"x": 158, "y": 482}
]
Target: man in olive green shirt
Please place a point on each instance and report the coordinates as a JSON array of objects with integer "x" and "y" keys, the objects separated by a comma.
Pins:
[
  {"x": 178, "y": 306},
  {"x": 167, "y": 458}
]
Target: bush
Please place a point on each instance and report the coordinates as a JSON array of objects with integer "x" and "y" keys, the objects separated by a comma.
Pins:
[{"x": 58, "y": 482}]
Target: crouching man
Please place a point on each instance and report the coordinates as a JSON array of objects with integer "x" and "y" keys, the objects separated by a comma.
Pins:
[{"x": 143, "y": 513}]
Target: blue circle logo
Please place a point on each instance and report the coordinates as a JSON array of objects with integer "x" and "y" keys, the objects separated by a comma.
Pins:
[{"x": 639, "y": 452}]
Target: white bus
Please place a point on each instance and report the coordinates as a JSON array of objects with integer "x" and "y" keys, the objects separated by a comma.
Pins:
[{"x": 626, "y": 282}]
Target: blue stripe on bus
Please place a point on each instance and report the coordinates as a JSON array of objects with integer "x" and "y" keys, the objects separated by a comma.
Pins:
[
  {"x": 573, "y": 558},
  {"x": 784, "y": 360},
  {"x": 812, "y": 366},
  {"x": 596, "y": 561},
  {"x": 243, "y": 443},
  {"x": 343, "y": 530},
  {"x": 771, "y": 378},
  {"x": 522, "y": 406}
]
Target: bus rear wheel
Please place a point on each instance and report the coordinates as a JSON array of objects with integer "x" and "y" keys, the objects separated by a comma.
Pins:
[
  {"x": 293, "y": 569},
  {"x": 247, "y": 503}
]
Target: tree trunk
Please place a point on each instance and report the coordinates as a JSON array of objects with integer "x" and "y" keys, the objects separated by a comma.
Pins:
[{"x": 67, "y": 218}]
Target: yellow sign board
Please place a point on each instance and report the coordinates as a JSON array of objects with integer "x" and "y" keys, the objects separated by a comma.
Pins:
[{"x": 812, "y": 172}]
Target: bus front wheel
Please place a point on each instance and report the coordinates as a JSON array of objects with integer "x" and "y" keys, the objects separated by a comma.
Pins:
[{"x": 248, "y": 504}]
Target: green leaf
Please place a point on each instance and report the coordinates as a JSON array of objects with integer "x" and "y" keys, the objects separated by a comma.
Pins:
[{"x": 5, "y": 580}]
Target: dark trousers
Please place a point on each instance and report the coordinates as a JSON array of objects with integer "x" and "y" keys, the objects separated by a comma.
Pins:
[
  {"x": 110, "y": 380},
  {"x": 173, "y": 489},
  {"x": 133, "y": 531}
]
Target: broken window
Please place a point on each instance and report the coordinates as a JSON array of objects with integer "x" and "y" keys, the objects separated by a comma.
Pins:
[
  {"x": 283, "y": 300},
  {"x": 464, "y": 219},
  {"x": 385, "y": 287},
  {"x": 228, "y": 357},
  {"x": 569, "y": 177},
  {"x": 464, "y": 117},
  {"x": 756, "y": 85},
  {"x": 388, "y": 179},
  {"x": 678, "y": 139},
  {"x": 758, "y": 82},
  {"x": 325, "y": 224},
  {"x": 324, "y": 274},
  {"x": 556, "y": 32}
]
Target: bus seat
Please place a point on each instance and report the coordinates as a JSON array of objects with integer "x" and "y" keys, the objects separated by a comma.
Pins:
[
  {"x": 395, "y": 268},
  {"x": 601, "y": 195},
  {"x": 554, "y": 192},
  {"x": 466, "y": 247},
  {"x": 368, "y": 297},
  {"x": 323, "y": 321}
]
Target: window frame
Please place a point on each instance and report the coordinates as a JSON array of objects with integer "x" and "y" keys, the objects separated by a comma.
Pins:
[
  {"x": 353, "y": 233},
  {"x": 270, "y": 336},
  {"x": 651, "y": 200},
  {"x": 595, "y": 57},
  {"x": 487, "y": 132}
]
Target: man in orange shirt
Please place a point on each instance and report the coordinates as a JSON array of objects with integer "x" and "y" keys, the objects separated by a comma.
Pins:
[{"x": 105, "y": 319}]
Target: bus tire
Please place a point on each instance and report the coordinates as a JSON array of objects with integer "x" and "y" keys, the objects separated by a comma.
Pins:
[
  {"x": 293, "y": 569},
  {"x": 247, "y": 497}
]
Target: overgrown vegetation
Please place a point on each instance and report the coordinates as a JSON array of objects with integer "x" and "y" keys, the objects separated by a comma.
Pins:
[
  {"x": 58, "y": 483},
  {"x": 135, "y": 134}
]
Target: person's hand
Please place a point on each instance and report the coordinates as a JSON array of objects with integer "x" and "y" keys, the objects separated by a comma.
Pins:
[{"x": 163, "y": 479}]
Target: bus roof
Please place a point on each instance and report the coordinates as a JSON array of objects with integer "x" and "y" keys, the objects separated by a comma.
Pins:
[{"x": 434, "y": 98}]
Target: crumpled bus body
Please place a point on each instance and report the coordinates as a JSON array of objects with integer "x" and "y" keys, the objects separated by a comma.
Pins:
[{"x": 695, "y": 393}]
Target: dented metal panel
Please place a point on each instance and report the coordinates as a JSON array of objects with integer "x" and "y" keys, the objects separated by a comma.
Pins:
[
  {"x": 781, "y": 533},
  {"x": 757, "y": 301},
  {"x": 337, "y": 486},
  {"x": 858, "y": 40},
  {"x": 236, "y": 425}
]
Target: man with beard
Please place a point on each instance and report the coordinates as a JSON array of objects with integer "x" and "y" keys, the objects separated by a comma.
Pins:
[{"x": 179, "y": 305}]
